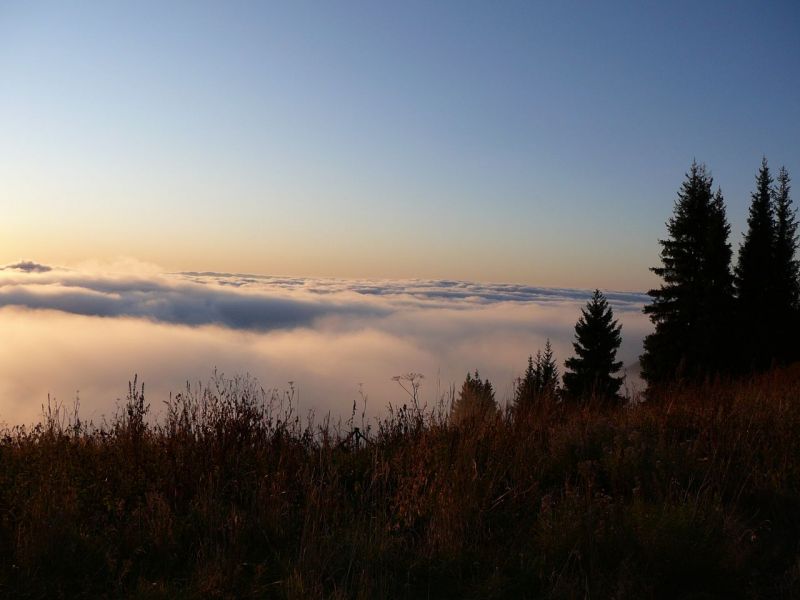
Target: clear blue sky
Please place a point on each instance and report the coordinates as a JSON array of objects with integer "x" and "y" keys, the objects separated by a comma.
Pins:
[{"x": 515, "y": 141}]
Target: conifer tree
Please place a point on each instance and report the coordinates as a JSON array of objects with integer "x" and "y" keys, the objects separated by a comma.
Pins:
[
  {"x": 475, "y": 401},
  {"x": 540, "y": 379},
  {"x": 756, "y": 277},
  {"x": 716, "y": 338},
  {"x": 547, "y": 382},
  {"x": 787, "y": 269},
  {"x": 597, "y": 339},
  {"x": 691, "y": 310},
  {"x": 525, "y": 389}
]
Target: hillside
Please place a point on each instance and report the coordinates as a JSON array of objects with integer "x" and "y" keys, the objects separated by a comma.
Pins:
[{"x": 694, "y": 493}]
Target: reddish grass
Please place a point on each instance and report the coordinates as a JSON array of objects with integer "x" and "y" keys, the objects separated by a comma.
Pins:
[{"x": 695, "y": 493}]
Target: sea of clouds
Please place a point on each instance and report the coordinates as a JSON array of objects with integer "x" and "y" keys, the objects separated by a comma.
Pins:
[{"x": 84, "y": 332}]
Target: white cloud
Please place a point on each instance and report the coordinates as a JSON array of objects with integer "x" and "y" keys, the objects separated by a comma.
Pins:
[{"x": 70, "y": 330}]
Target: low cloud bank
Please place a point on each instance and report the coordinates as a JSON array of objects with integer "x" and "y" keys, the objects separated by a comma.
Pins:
[
  {"x": 421, "y": 290},
  {"x": 172, "y": 299},
  {"x": 88, "y": 332}
]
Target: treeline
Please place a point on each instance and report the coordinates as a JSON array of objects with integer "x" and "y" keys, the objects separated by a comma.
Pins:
[
  {"x": 590, "y": 374},
  {"x": 712, "y": 318}
]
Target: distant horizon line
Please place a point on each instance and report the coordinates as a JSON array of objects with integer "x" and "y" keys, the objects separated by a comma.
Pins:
[
  {"x": 31, "y": 266},
  {"x": 401, "y": 279}
]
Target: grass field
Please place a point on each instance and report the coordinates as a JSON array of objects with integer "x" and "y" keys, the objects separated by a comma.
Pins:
[{"x": 694, "y": 493}]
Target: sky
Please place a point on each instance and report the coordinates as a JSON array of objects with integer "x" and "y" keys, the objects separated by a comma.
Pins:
[
  {"x": 334, "y": 193},
  {"x": 525, "y": 142}
]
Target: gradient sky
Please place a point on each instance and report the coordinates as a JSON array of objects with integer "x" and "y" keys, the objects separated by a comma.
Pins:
[{"x": 518, "y": 141}]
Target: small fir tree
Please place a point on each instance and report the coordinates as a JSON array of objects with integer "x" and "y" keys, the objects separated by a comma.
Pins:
[
  {"x": 597, "y": 339},
  {"x": 475, "y": 401},
  {"x": 540, "y": 379},
  {"x": 547, "y": 383},
  {"x": 525, "y": 389}
]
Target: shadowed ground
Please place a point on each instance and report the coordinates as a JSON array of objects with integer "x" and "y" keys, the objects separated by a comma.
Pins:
[{"x": 695, "y": 493}]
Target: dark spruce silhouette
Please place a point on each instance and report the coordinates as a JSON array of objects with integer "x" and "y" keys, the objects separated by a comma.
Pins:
[
  {"x": 787, "y": 281},
  {"x": 756, "y": 275},
  {"x": 692, "y": 309},
  {"x": 709, "y": 321},
  {"x": 767, "y": 275},
  {"x": 590, "y": 374}
]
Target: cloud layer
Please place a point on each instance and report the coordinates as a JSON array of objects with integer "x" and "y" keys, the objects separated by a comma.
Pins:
[
  {"x": 171, "y": 299},
  {"x": 260, "y": 303},
  {"x": 89, "y": 330}
]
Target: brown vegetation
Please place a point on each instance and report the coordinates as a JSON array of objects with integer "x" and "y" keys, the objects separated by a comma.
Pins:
[{"x": 694, "y": 493}]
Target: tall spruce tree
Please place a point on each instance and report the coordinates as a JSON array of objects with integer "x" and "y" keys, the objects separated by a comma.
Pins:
[
  {"x": 691, "y": 310},
  {"x": 787, "y": 270},
  {"x": 756, "y": 278},
  {"x": 717, "y": 309},
  {"x": 597, "y": 338}
]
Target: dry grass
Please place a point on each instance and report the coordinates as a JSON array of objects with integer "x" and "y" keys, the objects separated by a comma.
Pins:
[{"x": 695, "y": 493}]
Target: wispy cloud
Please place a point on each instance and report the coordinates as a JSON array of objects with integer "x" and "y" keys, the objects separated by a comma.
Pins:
[{"x": 27, "y": 266}]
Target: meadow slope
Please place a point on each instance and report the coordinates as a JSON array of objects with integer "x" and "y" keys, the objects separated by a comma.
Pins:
[{"x": 694, "y": 493}]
